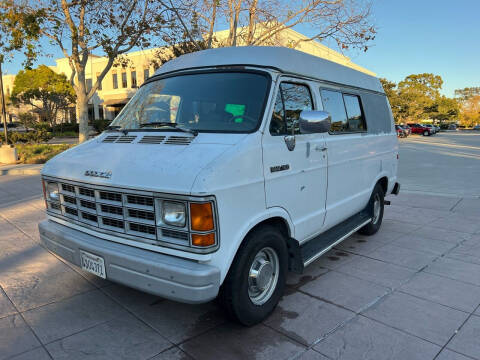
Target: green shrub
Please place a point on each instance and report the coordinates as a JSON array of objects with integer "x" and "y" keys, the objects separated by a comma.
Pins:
[
  {"x": 65, "y": 134},
  {"x": 27, "y": 137},
  {"x": 39, "y": 153},
  {"x": 28, "y": 120},
  {"x": 65, "y": 127},
  {"x": 100, "y": 124}
]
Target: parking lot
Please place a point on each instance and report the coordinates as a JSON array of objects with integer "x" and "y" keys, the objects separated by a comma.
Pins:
[{"x": 412, "y": 291}]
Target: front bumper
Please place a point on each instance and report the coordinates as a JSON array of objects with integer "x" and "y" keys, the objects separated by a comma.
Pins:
[{"x": 158, "y": 274}]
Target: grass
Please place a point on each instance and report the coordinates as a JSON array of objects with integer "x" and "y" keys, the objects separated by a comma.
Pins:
[
  {"x": 65, "y": 134},
  {"x": 39, "y": 153}
]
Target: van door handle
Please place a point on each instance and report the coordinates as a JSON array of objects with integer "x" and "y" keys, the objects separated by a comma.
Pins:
[{"x": 321, "y": 148}]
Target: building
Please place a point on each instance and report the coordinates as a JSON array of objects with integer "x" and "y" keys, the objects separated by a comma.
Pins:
[{"x": 121, "y": 83}]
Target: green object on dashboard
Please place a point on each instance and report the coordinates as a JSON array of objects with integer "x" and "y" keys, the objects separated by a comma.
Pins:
[{"x": 236, "y": 110}]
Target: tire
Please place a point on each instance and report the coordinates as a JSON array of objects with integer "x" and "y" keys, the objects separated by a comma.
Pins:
[
  {"x": 373, "y": 226},
  {"x": 238, "y": 292},
  {"x": 426, "y": 133}
]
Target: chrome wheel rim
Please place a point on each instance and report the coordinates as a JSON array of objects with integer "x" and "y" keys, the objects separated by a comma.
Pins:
[
  {"x": 376, "y": 208},
  {"x": 263, "y": 276}
]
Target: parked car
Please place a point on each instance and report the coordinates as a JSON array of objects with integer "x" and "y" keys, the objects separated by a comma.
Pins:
[
  {"x": 227, "y": 192},
  {"x": 420, "y": 129},
  {"x": 407, "y": 129},
  {"x": 431, "y": 127},
  {"x": 401, "y": 132},
  {"x": 437, "y": 128},
  {"x": 452, "y": 127},
  {"x": 476, "y": 127}
]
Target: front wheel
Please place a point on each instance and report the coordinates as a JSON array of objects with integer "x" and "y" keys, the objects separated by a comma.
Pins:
[
  {"x": 426, "y": 133},
  {"x": 256, "y": 279},
  {"x": 375, "y": 208}
]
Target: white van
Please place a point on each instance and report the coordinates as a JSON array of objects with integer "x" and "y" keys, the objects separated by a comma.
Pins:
[{"x": 227, "y": 169}]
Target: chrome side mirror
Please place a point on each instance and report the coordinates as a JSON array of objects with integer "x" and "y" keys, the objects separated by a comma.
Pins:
[
  {"x": 290, "y": 142},
  {"x": 314, "y": 122}
]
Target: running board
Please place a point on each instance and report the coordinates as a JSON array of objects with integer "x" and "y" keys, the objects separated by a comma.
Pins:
[{"x": 303, "y": 255}]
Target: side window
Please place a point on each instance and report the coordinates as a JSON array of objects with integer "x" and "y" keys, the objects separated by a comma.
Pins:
[
  {"x": 356, "y": 120},
  {"x": 333, "y": 103},
  {"x": 345, "y": 110},
  {"x": 291, "y": 100}
]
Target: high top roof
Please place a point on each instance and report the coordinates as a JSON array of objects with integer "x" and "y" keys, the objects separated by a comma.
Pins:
[{"x": 285, "y": 59}]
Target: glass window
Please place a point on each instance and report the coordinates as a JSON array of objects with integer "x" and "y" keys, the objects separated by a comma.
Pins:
[
  {"x": 333, "y": 103},
  {"x": 134, "y": 78},
  {"x": 233, "y": 103},
  {"x": 124, "y": 79},
  {"x": 356, "y": 121},
  {"x": 88, "y": 84},
  {"x": 146, "y": 74},
  {"x": 115, "y": 81},
  {"x": 100, "y": 83},
  {"x": 100, "y": 112},
  {"x": 291, "y": 100}
]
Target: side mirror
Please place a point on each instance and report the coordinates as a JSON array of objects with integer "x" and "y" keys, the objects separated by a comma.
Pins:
[{"x": 314, "y": 122}]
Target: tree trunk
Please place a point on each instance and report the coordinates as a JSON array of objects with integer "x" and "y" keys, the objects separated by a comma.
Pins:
[{"x": 82, "y": 105}]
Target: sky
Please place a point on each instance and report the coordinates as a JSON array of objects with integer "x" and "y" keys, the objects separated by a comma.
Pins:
[{"x": 414, "y": 36}]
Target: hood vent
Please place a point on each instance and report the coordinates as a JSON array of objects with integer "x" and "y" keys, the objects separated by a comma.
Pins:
[
  {"x": 125, "y": 139},
  {"x": 178, "y": 140},
  {"x": 149, "y": 139},
  {"x": 110, "y": 139}
]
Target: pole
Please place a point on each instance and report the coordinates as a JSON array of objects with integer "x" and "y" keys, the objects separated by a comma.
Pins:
[{"x": 4, "y": 111}]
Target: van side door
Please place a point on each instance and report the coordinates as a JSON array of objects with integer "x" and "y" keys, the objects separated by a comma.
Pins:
[
  {"x": 295, "y": 179},
  {"x": 351, "y": 163}
]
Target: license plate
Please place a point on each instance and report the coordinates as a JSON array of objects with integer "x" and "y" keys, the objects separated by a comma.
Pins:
[{"x": 93, "y": 264}]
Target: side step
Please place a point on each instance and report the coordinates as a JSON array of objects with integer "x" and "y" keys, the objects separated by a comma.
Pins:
[{"x": 303, "y": 255}]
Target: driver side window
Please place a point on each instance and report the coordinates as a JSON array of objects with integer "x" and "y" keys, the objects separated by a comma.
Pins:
[{"x": 291, "y": 100}]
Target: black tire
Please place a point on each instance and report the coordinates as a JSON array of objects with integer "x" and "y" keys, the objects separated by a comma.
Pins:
[
  {"x": 234, "y": 293},
  {"x": 373, "y": 226}
]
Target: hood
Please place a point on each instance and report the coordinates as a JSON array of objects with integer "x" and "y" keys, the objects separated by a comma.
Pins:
[{"x": 151, "y": 161}]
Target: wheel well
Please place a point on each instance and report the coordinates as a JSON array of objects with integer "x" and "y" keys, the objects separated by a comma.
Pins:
[
  {"x": 384, "y": 183},
  {"x": 277, "y": 222}
]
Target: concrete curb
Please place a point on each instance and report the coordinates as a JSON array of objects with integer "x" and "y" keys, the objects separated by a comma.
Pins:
[{"x": 32, "y": 170}]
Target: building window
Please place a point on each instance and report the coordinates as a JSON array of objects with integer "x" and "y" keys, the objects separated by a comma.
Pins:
[
  {"x": 146, "y": 74},
  {"x": 134, "y": 78},
  {"x": 124, "y": 79},
  {"x": 91, "y": 112},
  {"x": 100, "y": 83},
  {"x": 292, "y": 99},
  {"x": 88, "y": 84},
  {"x": 115, "y": 81},
  {"x": 100, "y": 112}
]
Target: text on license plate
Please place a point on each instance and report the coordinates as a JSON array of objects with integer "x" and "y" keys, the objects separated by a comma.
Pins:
[{"x": 93, "y": 264}]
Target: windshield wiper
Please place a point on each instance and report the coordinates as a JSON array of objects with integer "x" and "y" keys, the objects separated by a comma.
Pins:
[
  {"x": 171, "y": 125},
  {"x": 113, "y": 127}
]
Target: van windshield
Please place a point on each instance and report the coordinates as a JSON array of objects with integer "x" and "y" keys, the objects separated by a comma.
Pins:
[{"x": 210, "y": 102}]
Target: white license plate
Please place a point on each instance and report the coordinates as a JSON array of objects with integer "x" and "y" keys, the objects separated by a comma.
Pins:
[{"x": 93, "y": 264}]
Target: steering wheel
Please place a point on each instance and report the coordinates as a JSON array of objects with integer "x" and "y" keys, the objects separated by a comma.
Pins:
[{"x": 250, "y": 119}]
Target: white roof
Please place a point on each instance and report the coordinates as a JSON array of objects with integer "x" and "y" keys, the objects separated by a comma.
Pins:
[{"x": 285, "y": 59}]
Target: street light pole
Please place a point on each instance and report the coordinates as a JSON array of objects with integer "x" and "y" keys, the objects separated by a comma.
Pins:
[{"x": 4, "y": 111}]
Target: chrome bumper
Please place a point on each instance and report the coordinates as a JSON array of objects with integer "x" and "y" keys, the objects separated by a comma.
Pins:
[{"x": 158, "y": 274}]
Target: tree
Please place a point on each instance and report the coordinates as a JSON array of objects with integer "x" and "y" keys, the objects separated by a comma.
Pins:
[
  {"x": 79, "y": 27},
  {"x": 391, "y": 91},
  {"x": 417, "y": 95},
  {"x": 256, "y": 22},
  {"x": 43, "y": 89},
  {"x": 470, "y": 105}
]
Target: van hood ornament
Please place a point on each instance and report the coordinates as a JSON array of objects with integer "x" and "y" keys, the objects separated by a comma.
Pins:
[{"x": 100, "y": 174}]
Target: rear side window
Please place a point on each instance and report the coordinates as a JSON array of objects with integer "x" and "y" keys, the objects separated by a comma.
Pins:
[
  {"x": 291, "y": 100},
  {"x": 345, "y": 110}
]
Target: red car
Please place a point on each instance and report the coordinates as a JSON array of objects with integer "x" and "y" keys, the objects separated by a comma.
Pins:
[{"x": 420, "y": 129}]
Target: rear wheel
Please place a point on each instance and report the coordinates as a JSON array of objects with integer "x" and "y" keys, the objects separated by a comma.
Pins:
[
  {"x": 256, "y": 279},
  {"x": 426, "y": 133},
  {"x": 375, "y": 207}
]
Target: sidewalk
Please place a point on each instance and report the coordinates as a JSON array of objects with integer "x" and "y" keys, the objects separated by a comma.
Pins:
[{"x": 20, "y": 169}]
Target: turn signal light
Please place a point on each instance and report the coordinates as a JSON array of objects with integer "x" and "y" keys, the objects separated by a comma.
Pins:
[
  {"x": 44, "y": 193},
  {"x": 201, "y": 215},
  {"x": 203, "y": 240}
]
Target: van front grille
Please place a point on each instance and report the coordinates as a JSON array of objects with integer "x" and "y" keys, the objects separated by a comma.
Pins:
[
  {"x": 112, "y": 222},
  {"x": 111, "y": 209},
  {"x": 140, "y": 214},
  {"x": 110, "y": 196},
  {"x": 88, "y": 204},
  {"x": 86, "y": 192},
  {"x": 142, "y": 228},
  {"x": 69, "y": 188},
  {"x": 140, "y": 200}
]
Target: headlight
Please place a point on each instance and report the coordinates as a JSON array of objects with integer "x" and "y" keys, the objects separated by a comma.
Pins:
[
  {"x": 52, "y": 191},
  {"x": 173, "y": 213}
]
